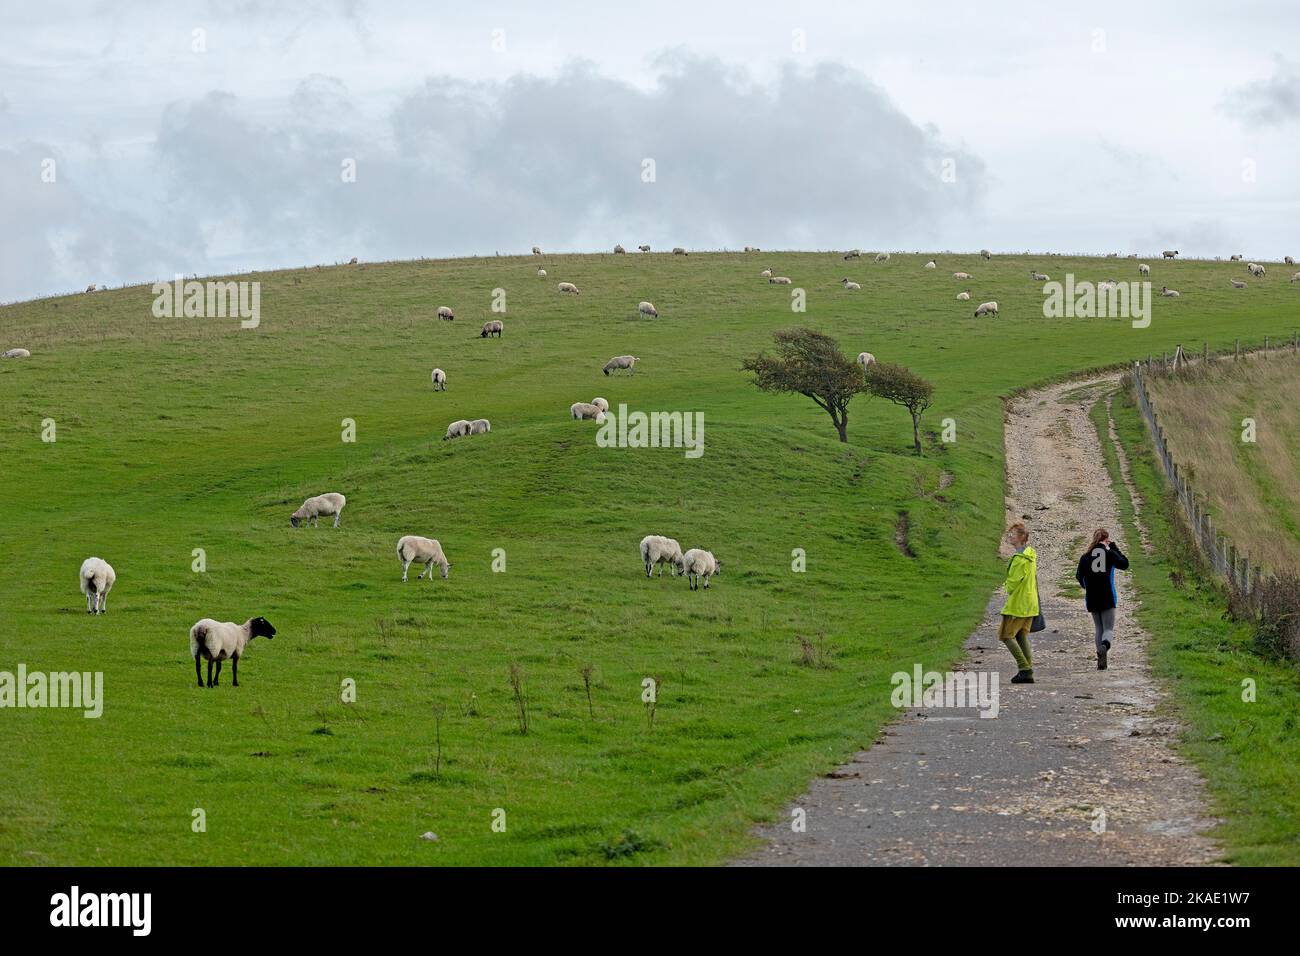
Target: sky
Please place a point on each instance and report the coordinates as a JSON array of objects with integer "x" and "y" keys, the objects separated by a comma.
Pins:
[{"x": 146, "y": 139}]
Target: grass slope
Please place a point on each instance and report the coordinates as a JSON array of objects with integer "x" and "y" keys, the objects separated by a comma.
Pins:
[{"x": 176, "y": 434}]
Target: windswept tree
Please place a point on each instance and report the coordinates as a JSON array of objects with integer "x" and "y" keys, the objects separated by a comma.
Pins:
[
  {"x": 902, "y": 386},
  {"x": 811, "y": 364}
]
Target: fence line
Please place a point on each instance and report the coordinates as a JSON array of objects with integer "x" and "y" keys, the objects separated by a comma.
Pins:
[{"x": 1222, "y": 553}]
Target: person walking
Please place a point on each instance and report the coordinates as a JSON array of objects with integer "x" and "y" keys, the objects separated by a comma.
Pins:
[
  {"x": 1096, "y": 575},
  {"x": 1021, "y": 607}
]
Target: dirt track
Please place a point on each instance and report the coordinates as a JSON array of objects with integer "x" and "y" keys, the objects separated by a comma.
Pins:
[{"x": 947, "y": 787}]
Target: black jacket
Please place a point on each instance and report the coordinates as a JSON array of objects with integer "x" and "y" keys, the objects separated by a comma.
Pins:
[{"x": 1099, "y": 585}]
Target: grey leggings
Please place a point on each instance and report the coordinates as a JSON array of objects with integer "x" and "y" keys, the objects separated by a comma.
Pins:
[{"x": 1104, "y": 623}]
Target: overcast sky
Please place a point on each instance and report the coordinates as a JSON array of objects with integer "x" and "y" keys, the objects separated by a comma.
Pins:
[{"x": 203, "y": 137}]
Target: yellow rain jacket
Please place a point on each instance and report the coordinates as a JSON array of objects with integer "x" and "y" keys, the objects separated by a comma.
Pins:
[{"x": 1022, "y": 584}]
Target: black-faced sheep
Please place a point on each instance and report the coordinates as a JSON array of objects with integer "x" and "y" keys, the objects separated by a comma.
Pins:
[
  {"x": 219, "y": 641},
  {"x": 648, "y": 309},
  {"x": 621, "y": 362},
  {"x": 986, "y": 308},
  {"x": 1170, "y": 253},
  {"x": 445, "y": 313}
]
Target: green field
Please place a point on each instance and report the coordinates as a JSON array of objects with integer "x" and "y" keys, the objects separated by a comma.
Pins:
[{"x": 176, "y": 434}]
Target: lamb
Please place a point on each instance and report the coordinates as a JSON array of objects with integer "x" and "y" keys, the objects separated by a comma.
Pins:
[
  {"x": 582, "y": 411},
  {"x": 1256, "y": 270},
  {"x": 600, "y": 403},
  {"x": 439, "y": 380},
  {"x": 620, "y": 251},
  {"x": 621, "y": 361},
  {"x": 445, "y": 313},
  {"x": 1169, "y": 293},
  {"x": 882, "y": 257},
  {"x": 986, "y": 308},
  {"x": 224, "y": 640},
  {"x": 491, "y": 327},
  {"x": 698, "y": 563},
  {"x": 644, "y": 248},
  {"x": 679, "y": 251},
  {"x": 1237, "y": 283},
  {"x": 851, "y": 286},
  {"x": 963, "y": 296},
  {"x": 1144, "y": 269},
  {"x": 541, "y": 273},
  {"x": 866, "y": 359},
  {"x": 1038, "y": 276},
  {"x": 537, "y": 250},
  {"x": 766, "y": 274},
  {"x": 986, "y": 254},
  {"x": 97, "y": 577},
  {"x": 656, "y": 549},
  {"x": 932, "y": 264},
  {"x": 426, "y": 551},
  {"x": 962, "y": 275},
  {"x": 569, "y": 288},
  {"x": 1170, "y": 253},
  {"x": 330, "y": 503},
  {"x": 779, "y": 280},
  {"x": 457, "y": 429},
  {"x": 17, "y": 354},
  {"x": 647, "y": 308},
  {"x": 480, "y": 426}
]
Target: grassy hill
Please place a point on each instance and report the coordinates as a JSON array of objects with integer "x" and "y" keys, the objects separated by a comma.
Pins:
[{"x": 177, "y": 434}]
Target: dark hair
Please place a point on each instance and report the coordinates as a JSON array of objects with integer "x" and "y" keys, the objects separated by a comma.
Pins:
[{"x": 1097, "y": 536}]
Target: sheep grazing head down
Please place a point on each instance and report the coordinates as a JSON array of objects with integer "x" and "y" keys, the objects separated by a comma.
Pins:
[{"x": 260, "y": 627}]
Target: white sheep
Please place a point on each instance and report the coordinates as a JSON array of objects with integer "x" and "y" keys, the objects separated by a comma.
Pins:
[
  {"x": 97, "y": 577},
  {"x": 492, "y": 327},
  {"x": 219, "y": 641},
  {"x": 600, "y": 403},
  {"x": 541, "y": 273},
  {"x": 986, "y": 254},
  {"x": 1288, "y": 260},
  {"x": 1256, "y": 270},
  {"x": 932, "y": 264},
  {"x": 439, "y": 380},
  {"x": 480, "y": 426},
  {"x": 644, "y": 248},
  {"x": 986, "y": 308},
  {"x": 850, "y": 286},
  {"x": 779, "y": 280},
  {"x": 1038, "y": 276},
  {"x": 659, "y": 550},
  {"x": 766, "y": 274},
  {"x": 569, "y": 288},
  {"x": 352, "y": 261},
  {"x": 426, "y": 551},
  {"x": 582, "y": 411},
  {"x": 330, "y": 503},
  {"x": 962, "y": 275},
  {"x": 866, "y": 359},
  {"x": 963, "y": 296},
  {"x": 679, "y": 251},
  {"x": 1144, "y": 269},
  {"x": 1236, "y": 258},
  {"x": 1237, "y": 283},
  {"x": 537, "y": 250},
  {"x": 698, "y": 563},
  {"x": 457, "y": 429},
  {"x": 1170, "y": 253},
  {"x": 17, "y": 353},
  {"x": 1296, "y": 277},
  {"x": 445, "y": 313},
  {"x": 91, "y": 287},
  {"x": 852, "y": 254},
  {"x": 647, "y": 308},
  {"x": 620, "y": 251},
  {"x": 621, "y": 362},
  {"x": 1169, "y": 293},
  {"x": 882, "y": 257}
]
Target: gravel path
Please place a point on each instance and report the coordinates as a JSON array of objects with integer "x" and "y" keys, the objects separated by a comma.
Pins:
[{"x": 1077, "y": 769}]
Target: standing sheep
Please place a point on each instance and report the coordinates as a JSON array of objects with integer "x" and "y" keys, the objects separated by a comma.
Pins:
[
  {"x": 600, "y": 403},
  {"x": 644, "y": 248},
  {"x": 986, "y": 254},
  {"x": 569, "y": 288},
  {"x": 1144, "y": 269},
  {"x": 882, "y": 257},
  {"x": 852, "y": 254},
  {"x": 537, "y": 250},
  {"x": 986, "y": 308},
  {"x": 656, "y": 549},
  {"x": 218, "y": 641},
  {"x": 1296, "y": 277},
  {"x": 1288, "y": 260},
  {"x": 1256, "y": 270},
  {"x": 620, "y": 251},
  {"x": 97, "y": 578},
  {"x": 491, "y": 327},
  {"x": 480, "y": 426},
  {"x": 457, "y": 429},
  {"x": 17, "y": 354},
  {"x": 439, "y": 380},
  {"x": 445, "y": 313},
  {"x": 582, "y": 411},
  {"x": 647, "y": 308},
  {"x": 1170, "y": 253},
  {"x": 91, "y": 287},
  {"x": 698, "y": 563},
  {"x": 679, "y": 251},
  {"x": 427, "y": 551},
  {"x": 541, "y": 273},
  {"x": 1235, "y": 258},
  {"x": 621, "y": 362},
  {"x": 866, "y": 360},
  {"x": 330, "y": 503}
]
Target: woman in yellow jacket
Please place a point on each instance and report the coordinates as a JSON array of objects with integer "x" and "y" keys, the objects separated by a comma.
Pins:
[{"x": 1022, "y": 603}]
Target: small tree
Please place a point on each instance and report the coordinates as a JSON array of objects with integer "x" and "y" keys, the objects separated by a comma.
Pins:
[
  {"x": 811, "y": 364},
  {"x": 902, "y": 386}
]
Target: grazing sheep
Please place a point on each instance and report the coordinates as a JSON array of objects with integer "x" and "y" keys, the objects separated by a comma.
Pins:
[
  {"x": 679, "y": 251},
  {"x": 882, "y": 257},
  {"x": 644, "y": 248},
  {"x": 569, "y": 288},
  {"x": 426, "y": 551},
  {"x": 1038, "y": 276},
  {"x": 582, "y": 411},
  {"x": 445, "y": 313},
  {"x": 986, "y": 254},
  {"x": 17, "y": 353},
  {"x": 330, "y": 503},
  {"x": 851, "y": 286},
  {"x": 1170, "y": 253},
  {"x": 1169, "y": 293},
  {"x": 439, "y": 380},
  {"x": 97, "y": 577},
  {"x": 91, "y": 287},
  {"x": 962, "y": 275},
  {"x": 963, "y": 296},
  {"x": 537, "y": 250},
  {"x": 492, "y": 327},
  {"x": 647, "y": 308},
  {"x": 1144, "y": 269},
  {"x": 1288, "y": 260},
  {"x": 986, "y": 308},
  {"x": 1294, "y": 278},
  {"x": 852, "y": 254},
  {"x": 866, "y": 359},
  {"x": 1236, "y": 258},
  {"x": 621, "y": 361},
  {"x": 1237, "y": 283},
  {"x": 698, "y": 563},
  {"x": 932, "y": 264},
  {"x": 620, "y": 251},
  {"x": 779, "y": 280},
  {"x": 457, "y": 429},
  {"x": 352, "y": 261},
  {"x": 224, "y": 640},
  {"x": 1256, "y": 270},
  {"x": 600, "y": 403},
  {"x": 541, "y": 273},
  {"x": 766, "y": 274},
  {"x": 656, "y": 549},
  {"x": 480, "y": 426},
  {"x": 753, "y": 249}
]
